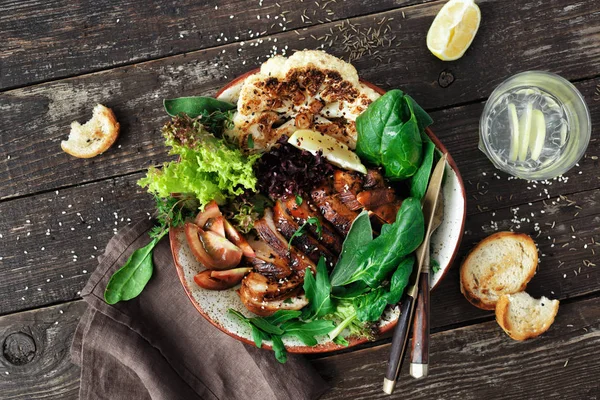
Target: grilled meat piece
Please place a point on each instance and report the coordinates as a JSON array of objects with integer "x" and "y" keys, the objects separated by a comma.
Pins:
[
  {"x": 259, "y": 286},
  {"x": 333, "y": 209},
  {"x": 301, "y": 212},
  {"x": 263, "y": 307},
  {"x": 373, "y": 179},
  {"x": 267, "y": 230},
  {"x": 306, "y": 243},
  {"x": 348, "y": 184},
  {"x": 371, "y": 199},
  {"x": 263, "y": 296},
  {"x": 267, "y": 262},
  {"x": 347, "y": 181}
]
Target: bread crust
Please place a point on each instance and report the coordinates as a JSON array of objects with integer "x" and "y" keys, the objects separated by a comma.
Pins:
[
  {"x": 502, "y": 317},
  {"x": 104, "y": 139},
  {"x": 466, "y": 285}
]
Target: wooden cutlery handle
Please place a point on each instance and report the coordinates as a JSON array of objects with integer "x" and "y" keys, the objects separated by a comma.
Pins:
[
  {"x": 399, "y": 341},
  {"x": 420, "y": 342}
]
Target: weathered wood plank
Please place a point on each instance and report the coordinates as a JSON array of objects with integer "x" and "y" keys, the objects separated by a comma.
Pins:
[
  {"x": 39, "y": 266},
  {"x": 35, "y": 119},
  {"x": 35, "y": 362},
  {"x": 473, "y": 362},
  {"x": 44, "y": 40},
  {"x": 482, "y": 362},
  {"x": 49, "y": 247}
]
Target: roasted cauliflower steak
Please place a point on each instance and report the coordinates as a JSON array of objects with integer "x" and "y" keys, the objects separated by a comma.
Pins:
[{"x": 309, "y": 90}]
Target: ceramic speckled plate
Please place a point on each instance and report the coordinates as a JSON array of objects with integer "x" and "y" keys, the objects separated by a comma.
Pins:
[{"x": 213, "y": 305}]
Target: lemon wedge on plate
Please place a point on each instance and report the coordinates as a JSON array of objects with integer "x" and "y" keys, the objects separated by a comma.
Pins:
[
  {"x": 453, "y": 29},
  {"x": 333, "y": 150}
]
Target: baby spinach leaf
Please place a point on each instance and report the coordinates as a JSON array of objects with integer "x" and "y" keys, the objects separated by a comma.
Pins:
[
  {"x": 318, "y": 291},
  {"x": 389, "y": 134},
  {"x": 398, "y": 239},
  {"x": 370, "y": 306},
  {"x": 195, "y": 106},
  {"x": 129, "y": 281},
  {"x": 401, "y": 150},
  {"x": 350, "y": 291},
  {"x": 400, "y": 280},
  {"x": 380, "y": 118},
  {"x": 423, "y": 119},
  {"x": 420, "y": 180},
  {"x": 359, "y": 235},
  {"x": 279, "y": 349}
]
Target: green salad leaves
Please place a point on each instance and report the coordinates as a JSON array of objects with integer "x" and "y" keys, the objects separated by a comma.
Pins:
[
  {"x": 208, "y": 167},
  {"x": 377, "y": 258},
  {"x": 284, "y": 323},
  {"x": 389, "y": 134}
]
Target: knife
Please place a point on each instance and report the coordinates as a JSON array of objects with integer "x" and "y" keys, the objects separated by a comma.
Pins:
[{"x": 400, "y": 338}]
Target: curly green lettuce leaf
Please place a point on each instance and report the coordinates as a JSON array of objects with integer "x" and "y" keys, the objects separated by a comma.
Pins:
[{"x": 207, "y": 168}]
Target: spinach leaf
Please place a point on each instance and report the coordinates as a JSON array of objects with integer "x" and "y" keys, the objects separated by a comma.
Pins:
[
  {"x": 350, "y": 291},
  {"x": 401, "y": 150},
  {"x": 389, "y": 134},
  {"x": 129, "y": 281},
  {"x": 420, "y": 180},
  {"x": 195, "y": 106},
  {"x": 423, "y": 119},
  {"x": 398, "y": 239},
  {"x": 279, "y": 349},
  {"x": 370, "y": 306},
  {"x": 380, "y": 117},
  {"x": 318, "y": 291},
  {"x": 359, "y": 235},
  {"x": 400, "y": 280}
]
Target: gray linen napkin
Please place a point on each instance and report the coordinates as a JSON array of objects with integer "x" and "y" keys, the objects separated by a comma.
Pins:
[{"x": 157, "y": 346}]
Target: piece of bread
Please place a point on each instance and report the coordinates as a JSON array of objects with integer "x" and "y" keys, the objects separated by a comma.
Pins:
[
  {"x": 502, "y": 263},
  {"x": 522, "y": 317},
  {"x": 95, "y": 136}
]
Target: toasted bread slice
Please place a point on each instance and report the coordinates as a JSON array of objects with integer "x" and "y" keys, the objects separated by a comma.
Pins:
[
  {"x": 95, "y": 136},
  {"x": 523, "y": 317},
  {"x": 502, "y": 263}
]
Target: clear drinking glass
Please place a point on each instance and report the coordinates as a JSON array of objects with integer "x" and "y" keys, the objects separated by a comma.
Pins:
[{"x": 535, "y": 126}]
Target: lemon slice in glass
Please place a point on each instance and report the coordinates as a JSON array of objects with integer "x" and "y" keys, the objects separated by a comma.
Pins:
[
  {"x": 453, "y": 29},
  {"x": 333, "y": 150}
]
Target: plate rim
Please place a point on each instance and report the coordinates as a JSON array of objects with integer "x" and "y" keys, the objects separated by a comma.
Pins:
[{"x": 329, "y": 346}]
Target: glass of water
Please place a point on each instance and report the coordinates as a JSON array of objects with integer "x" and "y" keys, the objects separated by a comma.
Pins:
[{"x": 535, "y": 126}]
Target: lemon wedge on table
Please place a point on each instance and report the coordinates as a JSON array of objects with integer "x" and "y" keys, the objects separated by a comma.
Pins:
[
  {"x": 333, "y": 150},
  {"x": 453, "y": 29}
]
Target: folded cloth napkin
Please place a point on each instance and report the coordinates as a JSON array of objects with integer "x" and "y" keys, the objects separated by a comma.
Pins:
[{"x": 157, "y": 346}]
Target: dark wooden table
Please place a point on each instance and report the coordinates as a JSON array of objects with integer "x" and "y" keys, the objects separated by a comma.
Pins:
[{"x": 59, "y": 58}]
